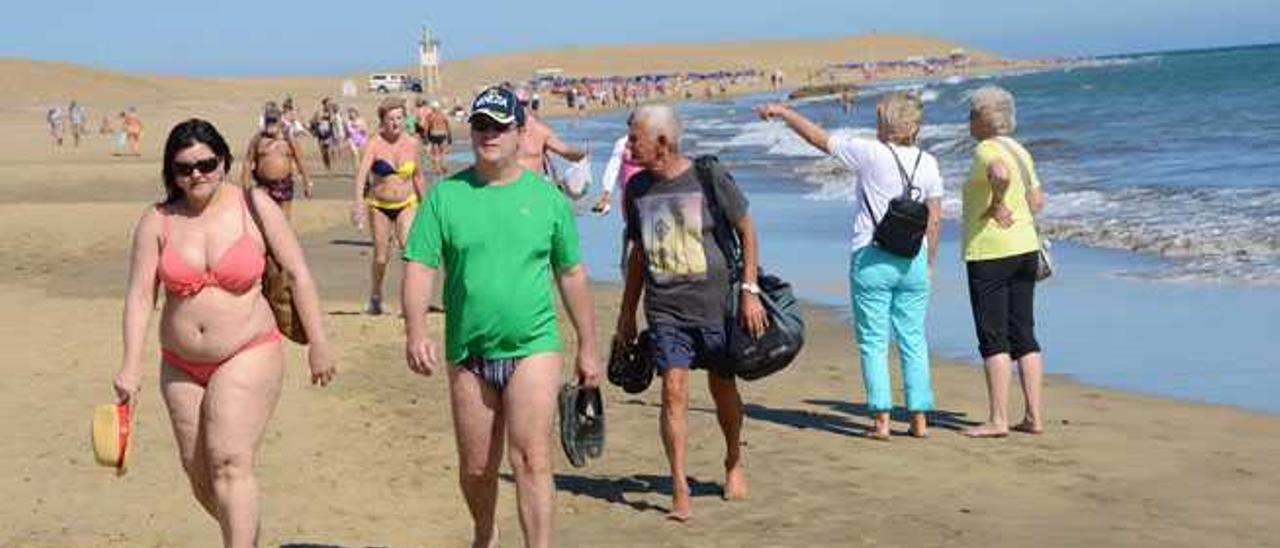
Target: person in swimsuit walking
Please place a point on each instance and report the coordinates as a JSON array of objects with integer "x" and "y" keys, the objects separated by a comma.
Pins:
[
  {"x": 324, "y": 128},
  {"x": 438, "y": 137},
  {"x": 271, "y": 159},
  {"x": 501, "y": 336},
  {"x": 389, "y": 203},
  {"x": 357, "y": 132},
  {"x": 133, "y": 131},
  {"x": 222, "y": 361}
]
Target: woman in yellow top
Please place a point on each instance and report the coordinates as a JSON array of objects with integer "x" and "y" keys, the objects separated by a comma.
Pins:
[{"x": 1000, "y": 251}]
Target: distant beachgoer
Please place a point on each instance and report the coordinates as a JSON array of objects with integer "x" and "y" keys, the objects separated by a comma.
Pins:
[
  {"x": 133, "y": 131},
  {"x": 221, "y": 358},
  {"x": 56, "y": 120},
  {"x": 889, "y": 292},
  {"x": 502, "y": 235},
  {"x": 413, "y": 117},
  {"x": 1001, "y": 255},
  {"x": 439, "y": 137},
  {"x": 289, "y": 117},
  {"x": 389, "y": 204},
  {"x": 684, "y": 278},
  {"x": 106, "y": 128},
  {"x": 846, "y": 101},
  {"x": 271, "y": 160},
  {"x": 617, "y": 172},
  {"x": 538, "y": 140},
  {"x": 324, "y": 129},
  {"x": 78, "y": 121},
  {"x": 357, "y": 132}
]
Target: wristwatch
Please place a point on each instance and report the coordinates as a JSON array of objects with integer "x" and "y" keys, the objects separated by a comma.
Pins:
[{"x": 751, "y": 288}]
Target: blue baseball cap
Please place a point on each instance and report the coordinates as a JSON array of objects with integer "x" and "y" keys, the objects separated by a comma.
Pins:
[{"x": 499, "y": 104}]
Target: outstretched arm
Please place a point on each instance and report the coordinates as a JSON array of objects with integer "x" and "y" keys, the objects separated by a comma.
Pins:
[
  {"x": 558, "y": 146},
  {"x": 804, "y": 127}
]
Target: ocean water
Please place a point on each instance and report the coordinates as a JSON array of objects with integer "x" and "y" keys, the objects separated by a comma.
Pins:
[{"x": 1162, "y": 173}]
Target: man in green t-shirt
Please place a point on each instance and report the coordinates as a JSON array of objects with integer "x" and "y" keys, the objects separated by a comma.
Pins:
[{"x": 503, "y": 234}]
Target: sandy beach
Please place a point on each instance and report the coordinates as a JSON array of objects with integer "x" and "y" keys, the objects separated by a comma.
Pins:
[{"x": 369, "y": 461}]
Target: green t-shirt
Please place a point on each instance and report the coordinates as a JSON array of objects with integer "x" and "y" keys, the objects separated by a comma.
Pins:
[{"x": 500, "y": 245}]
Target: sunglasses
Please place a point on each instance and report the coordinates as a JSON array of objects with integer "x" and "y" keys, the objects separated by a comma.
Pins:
[
  {"x": 484, "y": 124},
  {"x": 205, "y": 166}
]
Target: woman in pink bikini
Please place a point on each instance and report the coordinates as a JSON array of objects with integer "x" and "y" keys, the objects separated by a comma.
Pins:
[{"x": 221, "y": 356}]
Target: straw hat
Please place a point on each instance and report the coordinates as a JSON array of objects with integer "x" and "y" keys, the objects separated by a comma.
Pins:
[{"x": 111, "y": 432}]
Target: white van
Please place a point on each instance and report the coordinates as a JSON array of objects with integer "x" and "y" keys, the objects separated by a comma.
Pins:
[{"x": 388, "y": 82}]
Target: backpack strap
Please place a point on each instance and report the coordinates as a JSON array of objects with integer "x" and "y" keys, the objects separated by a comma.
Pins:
[
  {"x": 707, "y": 168},
  {"x": 908, "y": 180}
]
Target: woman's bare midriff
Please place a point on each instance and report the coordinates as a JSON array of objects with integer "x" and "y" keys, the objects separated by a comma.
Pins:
[
  {"x": 391, "y": 189},
  {"x": 213, "y": 325}
]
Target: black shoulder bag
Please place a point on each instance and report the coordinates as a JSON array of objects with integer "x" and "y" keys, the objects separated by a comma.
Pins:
[
  {"x": 901, "y": 230},
  {"x": 781, "y": 342}
]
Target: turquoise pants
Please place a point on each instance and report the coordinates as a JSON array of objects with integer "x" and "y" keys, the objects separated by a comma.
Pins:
[{"x": 890, "y": 292}]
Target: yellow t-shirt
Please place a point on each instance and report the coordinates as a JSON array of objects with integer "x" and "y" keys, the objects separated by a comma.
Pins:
[{"x": 984, "y": 238}]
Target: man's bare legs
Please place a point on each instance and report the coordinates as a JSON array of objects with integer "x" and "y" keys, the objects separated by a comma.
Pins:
[
  {"x": 673, "y": 426},
  {"x": 478, "y": 429},
  {"x": 724, "y": 390},
  {"x": 532, "y": 390}
]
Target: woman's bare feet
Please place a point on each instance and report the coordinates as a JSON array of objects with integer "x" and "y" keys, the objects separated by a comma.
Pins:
[
  {"x": 880, "y": 427},
  {"x": 988, "y": 430},
  {"x": 919, "y": 425},
  {"x": 1028, "y": 426},
  {"x": 735, "y": 482}
]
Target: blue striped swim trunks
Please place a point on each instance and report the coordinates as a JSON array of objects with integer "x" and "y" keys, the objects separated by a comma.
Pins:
[{"x": 495, "y": 371}]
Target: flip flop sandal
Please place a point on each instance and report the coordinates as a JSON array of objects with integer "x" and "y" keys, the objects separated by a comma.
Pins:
[
  {"x": 590, "y": 410},
  {"x": 569, "y": 426}
]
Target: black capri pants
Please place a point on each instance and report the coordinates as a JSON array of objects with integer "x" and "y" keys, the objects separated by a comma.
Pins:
[{"x": 1002, "y": 294}]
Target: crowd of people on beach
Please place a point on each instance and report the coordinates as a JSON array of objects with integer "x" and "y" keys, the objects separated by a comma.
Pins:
[
  {"x": 498, "y": 235},
  {"x": 74, "y": 121}
]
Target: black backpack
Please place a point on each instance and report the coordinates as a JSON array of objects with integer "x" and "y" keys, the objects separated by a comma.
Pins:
[
  {"x": 901, "y": 230},
  {"x": 752, "y": 358}
]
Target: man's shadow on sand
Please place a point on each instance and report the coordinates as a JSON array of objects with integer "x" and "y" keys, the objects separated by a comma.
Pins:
[{"x": 615, "y": 489}]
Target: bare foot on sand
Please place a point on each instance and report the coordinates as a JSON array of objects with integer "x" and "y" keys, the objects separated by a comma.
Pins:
[
  {"x": 1027, "y": 426},
  {"x": 680, "y": 504},
  {"x": 880, "y": 427},
  {"x": 735, "y": 482},
  {"x": 490, "y": 542},
  {"x": 988, "y": 430},
  {"x": 919, "y": 425}
]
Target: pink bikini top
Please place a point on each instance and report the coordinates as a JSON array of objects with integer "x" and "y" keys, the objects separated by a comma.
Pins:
[{"x": 239, "y": 268}]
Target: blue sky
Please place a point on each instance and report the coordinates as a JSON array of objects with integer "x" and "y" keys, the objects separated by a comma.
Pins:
[{"x": 240, "y": 37}]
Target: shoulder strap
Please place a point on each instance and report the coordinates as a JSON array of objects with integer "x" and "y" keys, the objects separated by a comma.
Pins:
[
  {"x": 1017, "y": 158},
  {"x": 1023, "y": 169},
  {"x": 706, "y": 167},
  {"x": 908, "y": 180},
  {"x": 257, "y": 221}
]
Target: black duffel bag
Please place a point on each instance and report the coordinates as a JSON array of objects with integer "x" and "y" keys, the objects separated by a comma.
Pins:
[{"x": 781, "y": 342}]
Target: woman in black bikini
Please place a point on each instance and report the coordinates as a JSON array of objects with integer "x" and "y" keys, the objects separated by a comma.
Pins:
[{"x": 271, "y": 160}]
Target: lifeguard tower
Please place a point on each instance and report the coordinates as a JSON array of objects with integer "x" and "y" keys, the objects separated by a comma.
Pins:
[{"x": 429, "y": 62}]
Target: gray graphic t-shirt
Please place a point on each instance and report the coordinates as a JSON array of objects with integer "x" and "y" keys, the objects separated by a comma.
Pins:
[{"x": 687, "y": 279}]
